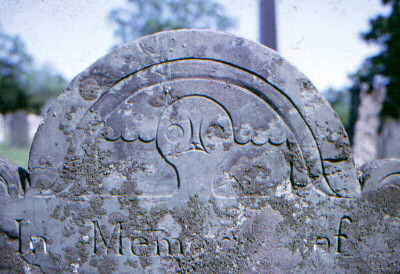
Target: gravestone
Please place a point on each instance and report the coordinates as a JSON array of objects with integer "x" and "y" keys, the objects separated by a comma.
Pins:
[
  {"x": 2, "y": 128},
  {"x": 388, "y": 145},
  {"x": 196, "y": 152},
  {"x": 17, "y": 128}
]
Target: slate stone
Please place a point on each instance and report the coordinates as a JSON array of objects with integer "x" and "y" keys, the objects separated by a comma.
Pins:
[{"x": 197, "y": 152}]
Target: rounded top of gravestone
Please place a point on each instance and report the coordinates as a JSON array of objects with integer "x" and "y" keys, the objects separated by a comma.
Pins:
[
  {"x": 200, "y": 104},
  {"x": 380, "y": 173}
]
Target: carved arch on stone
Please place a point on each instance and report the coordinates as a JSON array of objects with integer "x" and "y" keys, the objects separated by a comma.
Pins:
[{"x": 319, "y": 133}]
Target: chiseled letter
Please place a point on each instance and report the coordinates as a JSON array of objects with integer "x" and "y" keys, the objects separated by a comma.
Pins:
[
  {"x": 341, "y": 235},
  {"x": 117, "y": 229}
]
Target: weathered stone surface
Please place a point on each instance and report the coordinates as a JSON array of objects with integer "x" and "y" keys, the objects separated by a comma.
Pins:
[{"x": 196, "y": 152}]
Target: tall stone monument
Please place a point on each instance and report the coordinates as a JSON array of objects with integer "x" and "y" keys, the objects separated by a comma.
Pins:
[
  {"x": 268, "y": 35},
  {"x": 196, "y": 152}
]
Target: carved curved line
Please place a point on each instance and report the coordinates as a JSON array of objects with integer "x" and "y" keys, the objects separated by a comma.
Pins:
[
  {"x": 177, "y": 125},
  {"x": 292, "y": 180},
  {"x": 190, "y": 123},
  {"x": 165, "y": 159},
  {"x": 257, "y": 145},
  {"x": 113, "y": 139},
  {"x": 191, "y": 149},
  {"x": 393, "y": 173},
  {"x": 146, "y": 141},
  {"x": 372, "y": 179},
  {"x": 390, "y": 184},
  {"x": 276, "y": 143},
  {"x": 127, "y": 140},
  {"x": 201, "y": 137},
  {"x": 29, "y": 262},
  {"x": 393, "y": 185},
  {"x": 335, "y": 160}
]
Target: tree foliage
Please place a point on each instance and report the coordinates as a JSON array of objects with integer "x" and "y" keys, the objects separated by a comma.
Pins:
[
  {"x": 145, "y": 17},
  {"x": 383, "y": 69},
  {"x": 22, "y": 86},
  {"x": 340, "y": 101},
  {"x": 14, "y": 63},
  {"x": 43, "y": 84}
]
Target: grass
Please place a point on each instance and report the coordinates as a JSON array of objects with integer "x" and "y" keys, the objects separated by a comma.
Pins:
[{"x": 19, "y": 156}]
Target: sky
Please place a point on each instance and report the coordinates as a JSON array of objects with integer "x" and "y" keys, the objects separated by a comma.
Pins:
[{"x": 319, "y": 37}]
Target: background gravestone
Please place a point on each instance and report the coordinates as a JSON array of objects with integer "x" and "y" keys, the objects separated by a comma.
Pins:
[
  {"x": 388, "y": 147},
  {"x": 2, "y": 128},
  {"x": 175, "y": 155},
  {"x": 17, "y": 128}
]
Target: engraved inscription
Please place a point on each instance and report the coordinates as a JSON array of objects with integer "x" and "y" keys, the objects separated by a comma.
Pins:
[
  {"x": 19, "y": 223},
  {"x": 30, "y": 244},
  {"x": 139, "y": 246},
  {"x": 38, "y": 242},
  {"x": 142, "y": 246},
  {"x": 324, "y": 244},
  {"x": 97, "y": 232},
  {"x": 142, "y": 242},
  {"x": 340, "y": 236}
]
